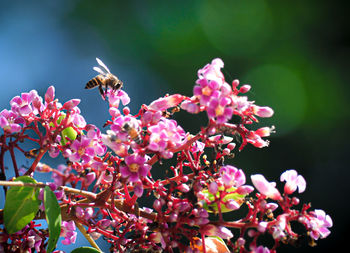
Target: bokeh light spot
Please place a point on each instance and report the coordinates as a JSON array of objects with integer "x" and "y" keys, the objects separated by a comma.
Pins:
[
  {"x": 236, "y": 27},
  {"x": 280, "y": 88}
]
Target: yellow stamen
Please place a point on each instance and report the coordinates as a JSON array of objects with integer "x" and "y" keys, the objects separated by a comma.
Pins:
[{"x": 134, "y": 167}]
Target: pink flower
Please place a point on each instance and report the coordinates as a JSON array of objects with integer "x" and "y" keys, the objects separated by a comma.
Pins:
[
  {"x": 87, "y": 147},
  {"x": 256, "y": 140},
  {"x": 190, "y": 107},
  {"x": 232, "y": 176},
  {"x": 206, "y": 90},
  {"x": 68, "y": 232},
  {"x": 212, "y": 71},
  {"x": 263, "y": 111},
  {"x": 164, "y": 136},
  {"x": 319, "y": 223},
  {"x": 50, "y": 94},
  {"x": 219, "y": 109},
  {"x": 261, "y": 249},
  {"x": 135, "y": 167},
  {"x": 70, "y": 104},
  {"x": 220, "y": 231},
  {"x": 114, "y": 98},
  {"x": 163, "y": 103},
  {"x": 23, "y": 104},
  {"x": 266, "y": 188},
  {"x": 10, "y": 121},
  {"x": 293, "y": 181}
]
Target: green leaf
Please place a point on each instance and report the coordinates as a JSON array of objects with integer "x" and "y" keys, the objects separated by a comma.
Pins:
[
  {"x": 53, "y": 217},
  {"x": 214, "y": 207},
  {"x": 21, "y": 205},
  {"x": 85, "y": 250},
  {"x": 70, "y": 133}
]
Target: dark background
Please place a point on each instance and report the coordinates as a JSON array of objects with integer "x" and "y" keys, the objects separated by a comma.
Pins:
[{"x": 295, "y": 54}]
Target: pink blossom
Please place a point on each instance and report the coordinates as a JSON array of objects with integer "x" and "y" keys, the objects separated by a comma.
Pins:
[
  {"x": 68, "y": 232},
  {"x": 212, "y": 71},
  {"x": 220, "y": 231},
  {"x": 23, "y": 104},
  {"x": 264, "y": 187},
  {"x": 135, "y": 167},
  {"x": 293, "y": 181},
  {"x": 34, "y": 240},
  {"x": 114, "y": 98},
  {"x": 256, "y": 140},
  {"x": 231, "y": 176},
  {"x": 190, "y": 107},
  {"x": 261, "y": 249},
  {"x": 164, "y": 136},
  {"x": 206, "y": 90},
  {"x": 164, "y": 103},
  {"x": 70, "y": 104},
  {"x": 262, "y": 111},
  {"x": 50, "y": 94},
  {"x": 319, "y": 223},
  {"x": 219, "y": 109},
  {"x": 86, "y": 148},
  {"x": 10, "y": 121},
  {"x": 151, "y": 118},
  {"x": 111, "y": 140}
]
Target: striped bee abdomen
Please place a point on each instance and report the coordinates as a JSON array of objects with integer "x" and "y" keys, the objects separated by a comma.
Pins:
[{"x": 94, "y": 82}]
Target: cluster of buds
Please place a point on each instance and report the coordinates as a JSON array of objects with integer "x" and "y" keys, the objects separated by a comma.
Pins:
[{"x": 108, "y": 173}]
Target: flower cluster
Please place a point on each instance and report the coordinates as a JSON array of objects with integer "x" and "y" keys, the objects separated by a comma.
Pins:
[{"x": 110, "y": 171}]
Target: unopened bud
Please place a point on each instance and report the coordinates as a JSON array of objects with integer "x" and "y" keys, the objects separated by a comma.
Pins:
[{"x": 245, "y": 88}]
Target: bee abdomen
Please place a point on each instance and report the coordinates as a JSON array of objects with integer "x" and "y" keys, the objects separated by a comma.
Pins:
[{"x": 96, "y": 81}]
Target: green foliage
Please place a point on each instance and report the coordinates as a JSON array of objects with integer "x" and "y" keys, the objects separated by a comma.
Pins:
[
  {"x": 85, "y": 250},
  {"x": 214, "y": 207},
  {"x": 53, "y": 217},
  {"x": 21, "y": 205}
]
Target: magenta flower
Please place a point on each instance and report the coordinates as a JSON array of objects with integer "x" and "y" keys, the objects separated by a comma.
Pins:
[
  {"x": 70, "y": 104},
  {"x": 232, "y": 176},
  {"x": 293, "y": 181},
  {"x": 118, "y": 127},
  {"x": 261, "y": 249},
  {"x": 163, "y": 103},
  {"x": 212, "y": 71},
  {"x": 264, "y": 187},
  {"x": 151, "y": 118},
  {"x": 34, "y": 240},
  {"x": 68, "y": 232},
  {"x": 220, "y": 231},
  {"x": 10, "y": 121},
  {"x": 50, "y": 94},
  {"x": 114, "y": 98},
  {"x": 135, "y": 167},
  {"x": 164, "y": 136},
  {"x": 206, "y": 90},
  {"x": 319, "y": 223},
  {"x": 219, "y": 109},
  {"x": 23, "y": 104},
  {"x": 87, "y": 147},
  {"x": 190, "y": 107}
]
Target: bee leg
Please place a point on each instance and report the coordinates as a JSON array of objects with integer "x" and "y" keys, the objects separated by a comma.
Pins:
[{"x": 101, "y": 92}]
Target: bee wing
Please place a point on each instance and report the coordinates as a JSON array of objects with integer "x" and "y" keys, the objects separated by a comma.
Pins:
[
  {"x": 97, "y": 69},
  {"x": 102, "y": 65}
]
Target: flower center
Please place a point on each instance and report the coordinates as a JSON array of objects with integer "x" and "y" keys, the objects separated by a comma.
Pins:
[
  {"x": 219, "y": 110},
  {"x": 134, "y": 167},
  {"x": 81, "y": 151},
  {"x": 206, "y": 91}
]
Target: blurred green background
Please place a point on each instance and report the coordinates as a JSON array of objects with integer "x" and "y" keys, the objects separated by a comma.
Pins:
[{"x": 295, "y": 54}]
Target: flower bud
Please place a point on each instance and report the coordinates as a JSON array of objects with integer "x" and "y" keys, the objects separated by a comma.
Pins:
[{"x": 69, "y": 105}]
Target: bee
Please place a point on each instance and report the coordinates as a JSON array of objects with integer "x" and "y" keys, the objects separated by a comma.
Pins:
[
  {"x": 132, "y": 132},
  {"x": 104, "y": 79},
  {"x": 31, "y": 154}
]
